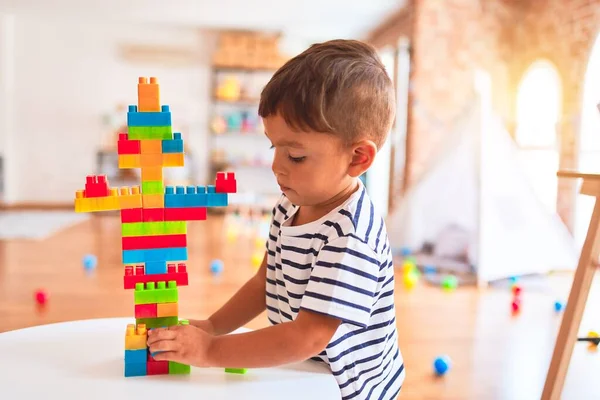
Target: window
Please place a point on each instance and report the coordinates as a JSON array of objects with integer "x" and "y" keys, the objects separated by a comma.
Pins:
[{"x": 538, "y": 112}]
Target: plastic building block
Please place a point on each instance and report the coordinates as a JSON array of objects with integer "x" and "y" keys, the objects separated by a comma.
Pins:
[
  {"x": 136, "y": 337},
  {"x": 167, "y": 310},
  {"x": 159, "y": 118},
  {"x": 156, "y": 267},
  {"x": 153, "y": 323},
  {"x": 129, "y": 161},
  {"x": 157, "y": 367},
  {"x": 150, "y": 132},
  {"x": 160, "y": 292},
  {"x": 225, "y": 182},
  {"x": 131, "y": 215},
  {"x": 151, "y": 160},
  {"x": 106, "y": 203},
  {"x": 152, "y": 187},
  {"x": 215, "y": 199},
  {"x": 153, "y": 200},
  {"x": 135, "y": 369},
  {"x": 130, "y": 197},
  {"x": 154, "y": 242},
  {"x": 174, "y": 273},
  {"x": 152, "y": 174},
  {"x": 151, "y": 146},
  {"x": 126, "y": 146},
  {"x": 96, "y": 186},
  {"x": 146, "y": 311},
  {"x": 154, "y": 228},
  {"x": 173, "y": 160},
  {"x": 185, "y": 214},
  {"x": 236, "y": 370},
  {"x": 148, "y": 95},
  {"x": 145, "y": 255},
  {"x": 174, "y": 145},
  {"x": 176, "y": 368},
  {"x": 153, "y": 214},
  {"x": 181, "y": 197},
  {"x": 136, "y": 356}
]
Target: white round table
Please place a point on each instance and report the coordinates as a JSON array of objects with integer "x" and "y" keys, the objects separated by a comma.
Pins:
[{"x": 84, "y": 360}]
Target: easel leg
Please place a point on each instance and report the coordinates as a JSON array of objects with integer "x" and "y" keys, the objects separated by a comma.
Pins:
[{"x": 567, "y": 335}]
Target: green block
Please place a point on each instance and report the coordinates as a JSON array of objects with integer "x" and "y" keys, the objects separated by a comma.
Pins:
[
  {"x": 184, "y": 322},
  {"x": 152, "y": 323},
  {"x": 162, "y": 292},
  {"x": 150, "y": 132},
  {"x": 153, "y": 187},
  {"x": 236, "y": 370},
  {"x": 178, "y": 369},
  {"x": 153, "y": 228}
]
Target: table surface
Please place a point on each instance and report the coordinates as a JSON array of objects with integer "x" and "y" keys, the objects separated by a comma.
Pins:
[{"x": 84, "y": 359}]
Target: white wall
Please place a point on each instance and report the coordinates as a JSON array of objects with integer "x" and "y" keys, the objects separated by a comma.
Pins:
[{"x": 67, "y": 74}]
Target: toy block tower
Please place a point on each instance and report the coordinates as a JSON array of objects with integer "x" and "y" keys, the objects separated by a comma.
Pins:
[{"x": 154, "y": 218}]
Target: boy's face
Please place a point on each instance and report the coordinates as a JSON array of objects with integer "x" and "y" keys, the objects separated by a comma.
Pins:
[{"x": 311, "y": 168}]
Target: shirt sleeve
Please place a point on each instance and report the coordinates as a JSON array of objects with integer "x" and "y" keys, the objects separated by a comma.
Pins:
[{"x": 343, "y": 282}]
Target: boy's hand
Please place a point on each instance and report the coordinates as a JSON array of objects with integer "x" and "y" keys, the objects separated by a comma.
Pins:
[{"x": 185, "y": 344}]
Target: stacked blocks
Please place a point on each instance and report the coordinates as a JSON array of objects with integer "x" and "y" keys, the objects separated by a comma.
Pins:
[{"x": 153, "y": 223}]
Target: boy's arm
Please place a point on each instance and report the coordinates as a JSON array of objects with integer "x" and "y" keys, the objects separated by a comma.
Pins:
[
  {"x": 248, "y": 302},
  {"x": 284, "y": 343}
]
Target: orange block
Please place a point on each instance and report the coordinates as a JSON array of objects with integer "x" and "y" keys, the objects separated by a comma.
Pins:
[
  {"x": 151, "y": 160},
  {"x": 130, "y": 198},
  {"x": 172, "y": 160},
  {"x": 148, "y": 95},
  {"x": 136, "y": 337},
  {"x": 167, "y": 310},
  {"x": 153, "y": 200},
  {"x": 152, "y": 174},
  {"x": 129, "y": 161},
  {"x": 151, "y": 146}
]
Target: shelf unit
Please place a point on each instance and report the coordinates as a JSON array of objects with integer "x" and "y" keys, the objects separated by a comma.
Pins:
[{"x": 237, "y": 139}]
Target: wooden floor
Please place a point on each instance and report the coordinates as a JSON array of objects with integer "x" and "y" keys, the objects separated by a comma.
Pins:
[{"x": 495, "y": 356}]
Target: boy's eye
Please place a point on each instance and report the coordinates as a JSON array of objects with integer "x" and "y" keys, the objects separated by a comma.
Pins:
[{"x": 297, "y": 159}]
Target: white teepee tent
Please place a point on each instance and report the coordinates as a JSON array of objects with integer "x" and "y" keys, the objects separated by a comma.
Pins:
[{"x": 477, "y": 188}]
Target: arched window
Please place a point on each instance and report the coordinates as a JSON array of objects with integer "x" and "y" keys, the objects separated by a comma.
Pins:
[
  {"x": 538, "y": 112},
  {"x": 589, "y": 140}
]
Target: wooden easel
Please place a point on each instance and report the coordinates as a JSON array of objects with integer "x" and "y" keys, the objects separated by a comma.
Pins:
[{"x": 567, "y": 335}]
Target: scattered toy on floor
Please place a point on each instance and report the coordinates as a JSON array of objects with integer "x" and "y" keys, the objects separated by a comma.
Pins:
[{"x": 441, "y": 365}]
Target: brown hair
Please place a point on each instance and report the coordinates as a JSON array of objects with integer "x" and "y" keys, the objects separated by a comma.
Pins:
[{"x": 339, "y": 86}]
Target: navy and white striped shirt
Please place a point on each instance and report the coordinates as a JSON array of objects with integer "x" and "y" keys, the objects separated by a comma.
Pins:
[{"x": 340, "y": 265}]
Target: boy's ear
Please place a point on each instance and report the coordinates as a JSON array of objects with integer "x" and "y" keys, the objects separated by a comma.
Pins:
[{"x": 363, "y": 155}]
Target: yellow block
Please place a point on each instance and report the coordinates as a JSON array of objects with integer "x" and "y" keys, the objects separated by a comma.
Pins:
[
  {"x": 172, "y": 160},
  {"x": 136, "y": 338},
  {"x": 90, "y": 204},
  {"x": 148, "y": 95},
  {"x": 151, "y": 160},
  {"x": 152, "y": 174},
  {"x": 129, "y": 161},
  {"x": 153, "y": 200},
  {"x": 130, "y": 197},
  {"x": 167, "y": 309},
  {"x": 151, "y": 146}
]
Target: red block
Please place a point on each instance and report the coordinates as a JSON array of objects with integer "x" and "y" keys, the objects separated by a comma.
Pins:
[
  {"x": 153, "y": 214},
  {"x": 126, "y": 146},
  {"x": 154, "y": 242},
  {"x": 225, "y": 183},
  {"x": 146, "y": 310},
  {"x": 96, "y": 186},
  {"x": 131, "y": 215},
  {"x": 178, "y": 274},
  {"x": 156, "y": 367},
  {"x": 185, "y": 214}
]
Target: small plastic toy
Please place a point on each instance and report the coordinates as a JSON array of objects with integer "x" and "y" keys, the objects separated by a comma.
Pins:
[
  {"x": 41, "y": 297},
  {"x": 449, "y": 283},
  {"x": 558, "y": 306},
  {"x": 441, "y": 365},
  {"x": 216, "y": 266},
  {"x": 153, "y": 224}
]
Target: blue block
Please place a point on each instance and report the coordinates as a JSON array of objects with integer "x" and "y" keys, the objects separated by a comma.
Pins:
[
  {"x": 156, "y": 267},
  {"x": 150, "y": 255},
  {"x": 161, "y": 118},
  {"x": 190, "y": 196},
  {"x": 174, "y": 145},
  {"x": 135, "y": 369},
  {"x": 217, "y": 200},
  {"x": 136, "y": 356}
]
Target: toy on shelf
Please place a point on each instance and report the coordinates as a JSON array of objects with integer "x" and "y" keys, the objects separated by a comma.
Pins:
[{"x": 154, "y": 223}]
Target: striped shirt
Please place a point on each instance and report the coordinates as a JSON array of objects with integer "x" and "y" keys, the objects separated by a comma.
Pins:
[{"x": 340, "y": 265}]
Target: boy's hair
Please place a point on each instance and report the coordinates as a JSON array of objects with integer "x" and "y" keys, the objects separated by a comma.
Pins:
[{"x": 339, "y": 87}]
